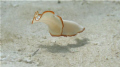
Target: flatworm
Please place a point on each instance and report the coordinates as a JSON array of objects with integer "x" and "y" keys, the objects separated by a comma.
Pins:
[{"x": 57, "y": 26}]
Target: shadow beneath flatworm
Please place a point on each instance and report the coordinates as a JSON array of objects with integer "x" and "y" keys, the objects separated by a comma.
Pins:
[{"x": 64, "y": 49}]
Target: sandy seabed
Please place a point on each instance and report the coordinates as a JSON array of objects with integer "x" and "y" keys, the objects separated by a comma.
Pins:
[{"x": 97, "y": 46}]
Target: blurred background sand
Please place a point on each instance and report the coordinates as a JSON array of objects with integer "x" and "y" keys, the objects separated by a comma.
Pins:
[{"x": 97, "y": 46}]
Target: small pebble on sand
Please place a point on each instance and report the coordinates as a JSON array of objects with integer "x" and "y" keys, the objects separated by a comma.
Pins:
[
  {"x": 44, "y": 37},
  {"x": 95, "y": 43},
  {"x": 53, "y": 41},
  {"x": 27, "y": 60}
]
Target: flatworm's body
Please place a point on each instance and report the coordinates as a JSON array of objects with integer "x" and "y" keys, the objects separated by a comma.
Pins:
[{"x": 57, "y": 26}]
